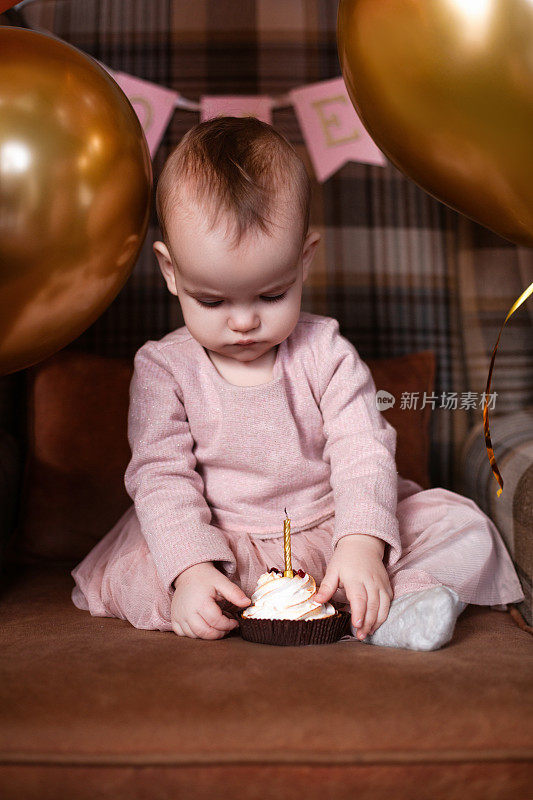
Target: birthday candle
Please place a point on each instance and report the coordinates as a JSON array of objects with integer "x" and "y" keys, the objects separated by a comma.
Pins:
[{"x": 287, "y": 546}]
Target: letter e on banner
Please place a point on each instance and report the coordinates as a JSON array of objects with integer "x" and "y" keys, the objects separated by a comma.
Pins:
[{"x": 333, "y": 132}]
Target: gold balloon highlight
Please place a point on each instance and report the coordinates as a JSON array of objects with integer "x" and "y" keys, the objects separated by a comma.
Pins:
[
  {"x": 445, "y": 89},
  {"x": 75, "y": 193}
]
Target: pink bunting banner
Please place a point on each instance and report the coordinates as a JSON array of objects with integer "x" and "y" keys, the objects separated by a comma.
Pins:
[
  {"x": 153, "y": 104},
  {"x": 331, "y": 128},
  {"x": 333, "y": 132},
  {"x": 233, "y": 106}
]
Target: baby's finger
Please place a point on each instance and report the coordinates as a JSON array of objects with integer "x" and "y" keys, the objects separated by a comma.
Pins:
[
  {"x": 202, "y": 629},
  {"x": 329, "y": 585},
  {"x": 231, "y": 592},
  {"x": 176, "y": 627},
  {"x": 356, "y": 595},
  {"x": 383, "y": 612},
  {"x": 186, "y": 628},
  {"x": 212, "y": 614},
  {"x": 372, "y": 608}
]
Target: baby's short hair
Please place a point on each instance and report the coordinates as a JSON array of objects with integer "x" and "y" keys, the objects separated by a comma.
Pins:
[{"x": 236, "y": 166}]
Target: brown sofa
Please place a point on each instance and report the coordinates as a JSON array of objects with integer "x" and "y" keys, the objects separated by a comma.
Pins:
[{"x": 94, "y": 708}]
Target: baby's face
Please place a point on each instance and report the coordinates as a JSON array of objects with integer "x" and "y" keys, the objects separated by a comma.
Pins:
[{"x": 251, "y": 293}]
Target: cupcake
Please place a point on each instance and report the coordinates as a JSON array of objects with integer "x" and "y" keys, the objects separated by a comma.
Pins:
[{"x": 283, "y": 612}]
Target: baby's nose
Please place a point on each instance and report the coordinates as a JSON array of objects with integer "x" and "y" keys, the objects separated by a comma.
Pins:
[{"x": 244, "y": 321}]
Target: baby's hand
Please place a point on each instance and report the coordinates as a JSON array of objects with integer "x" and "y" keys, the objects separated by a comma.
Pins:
[
  {"x": 194, "y": 611},
  {"x": 357, "y": 565}
]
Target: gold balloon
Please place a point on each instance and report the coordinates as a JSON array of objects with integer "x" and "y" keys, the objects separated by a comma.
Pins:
[
  {"x": 75, "y": 193},
  {"x": 445, "y": 89}
]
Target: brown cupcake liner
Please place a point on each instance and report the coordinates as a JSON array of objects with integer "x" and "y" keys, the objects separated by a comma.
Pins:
[{"x": 323, "y": 630}]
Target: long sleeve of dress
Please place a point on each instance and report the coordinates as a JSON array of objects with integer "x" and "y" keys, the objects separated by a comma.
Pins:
[
  {"x": 161, "y": 477},
  {"x": 360, "y": 445}
]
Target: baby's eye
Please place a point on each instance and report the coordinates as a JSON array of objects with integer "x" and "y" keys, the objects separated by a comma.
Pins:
[
  {"x": 273, "y": 298},
  {"x": 208, "y": 305},
  {"x": 266, "y": 298}
]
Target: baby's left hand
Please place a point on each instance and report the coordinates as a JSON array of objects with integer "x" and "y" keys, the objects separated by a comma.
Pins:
[{"x": 357, "y": 565}]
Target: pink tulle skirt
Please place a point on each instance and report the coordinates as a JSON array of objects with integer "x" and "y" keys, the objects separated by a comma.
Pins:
[{"x": 446, "y": 539}]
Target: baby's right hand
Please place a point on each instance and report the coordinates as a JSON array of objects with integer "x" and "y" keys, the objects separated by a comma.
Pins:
[{"x": 194, "y": 610}]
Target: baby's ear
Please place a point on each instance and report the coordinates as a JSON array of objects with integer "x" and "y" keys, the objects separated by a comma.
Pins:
[
  {"x": 166, "y": 266},
  {"x": 311, "y": 241}
]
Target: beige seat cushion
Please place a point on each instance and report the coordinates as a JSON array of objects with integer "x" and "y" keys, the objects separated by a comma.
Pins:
[{"x": 89, "y": 700}]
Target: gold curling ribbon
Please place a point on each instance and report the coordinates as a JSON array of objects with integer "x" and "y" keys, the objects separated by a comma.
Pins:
[
  {"x": 287, "y": 546},
  {"x": 488, "y": 442}
]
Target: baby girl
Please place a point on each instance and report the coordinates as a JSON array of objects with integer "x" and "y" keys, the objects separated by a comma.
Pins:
[{"x": 254, "y": 406}]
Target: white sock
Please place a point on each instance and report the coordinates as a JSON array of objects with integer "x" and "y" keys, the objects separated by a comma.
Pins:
[{"x": 423, "y": 620}]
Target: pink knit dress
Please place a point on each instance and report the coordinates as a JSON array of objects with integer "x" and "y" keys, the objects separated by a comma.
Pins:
[{"x": 214, "y": 465}]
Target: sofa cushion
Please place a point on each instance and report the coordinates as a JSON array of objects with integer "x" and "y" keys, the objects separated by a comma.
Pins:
[
  {"x": 78, "y": 450},
  {"x": 512, "y": 511},
  {"x": 73, "y": 490},
  {"x": 413, "y": 374},
  {"x": 97, "y": 701}
]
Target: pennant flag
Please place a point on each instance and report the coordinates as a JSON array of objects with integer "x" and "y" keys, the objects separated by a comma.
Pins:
[
  {"x": 232, "y": 106},
  {"x": 333, "y": 132},
  {"x": 153, "y": 104}
]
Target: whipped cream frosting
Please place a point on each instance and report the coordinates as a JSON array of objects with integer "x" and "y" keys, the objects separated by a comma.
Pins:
[{"x": 277, "y": 597}]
